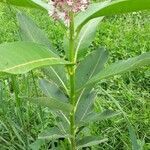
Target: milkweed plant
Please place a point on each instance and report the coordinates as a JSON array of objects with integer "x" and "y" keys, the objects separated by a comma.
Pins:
[{"x": 71, "y": 78}]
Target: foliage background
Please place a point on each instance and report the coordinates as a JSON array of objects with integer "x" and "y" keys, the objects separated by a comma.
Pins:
[{"x": 124, "y": 36}]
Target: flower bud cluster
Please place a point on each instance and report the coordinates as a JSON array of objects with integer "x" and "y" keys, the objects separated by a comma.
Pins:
[{"x": 61, "y": 8}]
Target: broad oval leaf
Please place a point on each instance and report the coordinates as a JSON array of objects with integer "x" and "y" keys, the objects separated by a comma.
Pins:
[
  {"x": 53, "y": 104},
  {"x": 90, "y": 66},
  {"x": 52, "y": 90},
  {"x": 110, "y": 8},
  {"x": 21, "y": 57},
  {"x": 90, "y": 141},
  {"x": 121, "y": 67}
]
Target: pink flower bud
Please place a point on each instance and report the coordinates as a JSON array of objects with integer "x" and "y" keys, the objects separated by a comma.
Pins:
[{"x": 61, "y": 8}]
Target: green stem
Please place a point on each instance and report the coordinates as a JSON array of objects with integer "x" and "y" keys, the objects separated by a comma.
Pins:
[{"x": 72, "y": 81}]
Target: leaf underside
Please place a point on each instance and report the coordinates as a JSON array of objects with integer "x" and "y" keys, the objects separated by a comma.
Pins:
[
  {"x": 121, "y": 67},
  {"x": 110, "y": 8},
  {"x": 53, "y": 104}
]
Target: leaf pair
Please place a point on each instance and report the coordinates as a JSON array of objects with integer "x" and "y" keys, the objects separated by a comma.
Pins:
[
  {"x": 92, "y": 65},
  {"x": 54, "y": 133}
]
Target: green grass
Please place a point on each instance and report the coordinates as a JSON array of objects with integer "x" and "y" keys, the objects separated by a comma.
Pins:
[{"x": 124, "y": 36}]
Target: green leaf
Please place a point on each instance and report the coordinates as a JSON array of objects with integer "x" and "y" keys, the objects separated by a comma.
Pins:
[
  {"x": 84, "y": 39},
  {"x": 27, "y": 3},
  {"x": 57, "y": 74},
  {"x": 86, "y": 36},
  {"x": 110, "y": 8},
  {"x": 52, "y": 134},
  {"x": 121, "y": 67},
  {"x": 43, "y": 4},
  {"x": 52, "y": 90},
  {"x": 30, "y": 32},
  {"x": 90, "y": 66},
  {"x": 90, "y": 141},
  {"x": 21, "y": 57},
  {"x": 37, "y": 144},
  {"x": 53, "y": 104},
  {"x": 93, "y": 117},
  {"x": 133, "y": 138},
  {"x": 84, "y": 105}
]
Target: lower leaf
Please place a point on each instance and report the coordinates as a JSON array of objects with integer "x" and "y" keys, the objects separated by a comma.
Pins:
[
  {"x": 107, "y": 114},
  {"x": 52, "y": 134},
  {"x": 90, "y": 141},
  {"x": 52, "y": 104},
  {"x": 37, "y": 144}
]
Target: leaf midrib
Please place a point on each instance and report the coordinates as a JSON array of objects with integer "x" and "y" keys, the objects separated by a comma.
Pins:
[{"x": 28, "y": 63}]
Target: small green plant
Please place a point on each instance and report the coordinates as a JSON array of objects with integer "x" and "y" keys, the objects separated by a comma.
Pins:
[{"x": 70, "y": 90}]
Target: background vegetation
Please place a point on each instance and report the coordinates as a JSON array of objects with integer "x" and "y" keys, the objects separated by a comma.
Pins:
[{"x": 124, "y": 36}]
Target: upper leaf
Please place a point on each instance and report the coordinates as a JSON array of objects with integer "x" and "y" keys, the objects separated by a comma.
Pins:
[
  {"x": 90, "y": 66},
  {"x": 27, "y": 3},
  {"x": 110, "y": 8},
  {"x": 122, "y": 66},
  {"x": 31, "y": 32},
  {"x": 86, "y": 36},
  {"x": 21, "y": 57}
]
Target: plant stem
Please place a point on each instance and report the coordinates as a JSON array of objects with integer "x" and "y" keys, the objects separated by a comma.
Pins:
[{"x": 72, "y": 81}]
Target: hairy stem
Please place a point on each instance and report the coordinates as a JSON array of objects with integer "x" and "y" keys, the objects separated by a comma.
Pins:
[{"x": 72, "y": 81}]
